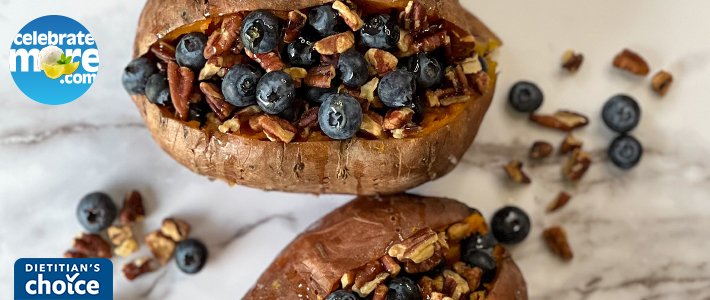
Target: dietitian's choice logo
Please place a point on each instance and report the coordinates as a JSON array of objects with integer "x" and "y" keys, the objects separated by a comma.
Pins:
[
  {"x": 54, "y": 60},
  {"x": 63, "y": 278}
]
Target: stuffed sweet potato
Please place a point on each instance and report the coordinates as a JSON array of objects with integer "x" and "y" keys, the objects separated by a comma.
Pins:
[
  {"x": 400, "y": 247},
  {"x": 355, "y": 97}
]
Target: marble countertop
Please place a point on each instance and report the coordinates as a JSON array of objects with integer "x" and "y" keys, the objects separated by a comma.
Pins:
[{"x": 639, "y": 234}]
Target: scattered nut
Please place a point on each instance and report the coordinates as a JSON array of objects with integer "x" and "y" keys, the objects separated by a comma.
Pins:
[
  {"x": 397, "y": 118},
  {"x": 220, "y": 64},
  {"x": 662, "y": 82},
  {"x": 276, "y": 129},
  {"x": 347, "y": 281},
  {"x": 570, "y": 143},
  {"x": 562, "y": 120},
  {"x": 297, "y": 74},
  {"x": 427, "y": 265},
  {"x": 163, "y": 51},
  {"x": 463, "y": 46},
  {"x": 417, "y": 248},
  {"x": 240, "y": 117},
  {"x": 557, "y": 240},
  {"x": 540, "y": 149},
  {"x": 119, "y": 234},
  {"x": 175, "y": 229},
  {"x": 160, "y": 245},
  {"x": 127, "y": 248},
  {"x": 631, "y": 62},
  {"x": 380, "y": 62},
  {"x": 269, "y": 61},
  {"x": 351, "y": 18},
  {"x": 320, "y": 76},
  {"x": 92, "y": 245},
  {"x": 454, "y": 285},
  {"x": 576, "y": 165},
  {"x": 215, "y": 99},
  {"x": 372, "y": 126},
  {"x": 74, "y": 254},
  {"x": 337, "y": 43},
  {"x": 138, "y": 267},
  {"x": 296, "y": 21},
  {"x": 132, "y": 210},
  {"x": 515, "y": 171},
  {"x": 571, "y": 61},
  {"x": 380, "y": 292},
  {"x": 223, "y": 38},
  {"x": 457, "y": 231},
  {"x": 390, "y": 265},
  {"x": 560, "y": 201},
  {"x": 180, "y": 80}
]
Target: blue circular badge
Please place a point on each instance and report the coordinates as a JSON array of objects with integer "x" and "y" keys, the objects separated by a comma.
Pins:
[{"x": 54, "y": 60}]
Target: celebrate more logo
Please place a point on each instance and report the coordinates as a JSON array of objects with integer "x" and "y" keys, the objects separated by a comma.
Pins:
[{"x": 63, "y": 278}]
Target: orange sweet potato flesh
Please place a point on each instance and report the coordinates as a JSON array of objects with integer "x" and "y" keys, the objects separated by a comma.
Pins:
[
  {"x": 360, "y": 232},
  {"x": 356, "y": 166}
]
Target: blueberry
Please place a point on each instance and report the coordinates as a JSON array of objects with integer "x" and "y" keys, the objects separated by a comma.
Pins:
[
  {"x": 325, "y": 97},
  {"x": 621, "y": 113},
  {"x": 239, "y": 85},
  {"x": 484, "y": 63},
  {"x": 136, "y": 75},
  {"x": 481, "y": 259},
  {"x": 314, "y": 93},
  {"x": 190, "y": 49},
  {"x": 353, "y": 68},
  {"x": 380, "y": 31},
  {"x": 397, "y": 88},
  {"x": 157, "y": 90},
  {"x": 198, "y": 112},
  {"x": 417, "y": 105},
  {"x": 510, "y": 225},
  {"x": 625, "y": 151},
  {"x": 261, "y": 31},
  {"x": 96, "y": 212},
  {"x": 190, "y": 256},
  {"x": 302, "y": 52},
  {"x": 275, "y": 92},
  {"x": 525, "y": 97},
  {"x": 479, "y": 242},
  {"x": 341, "y": 295},
  {"x": 340, "y": 116},
  {"x": 403, "y": 288},
  {"x": 325, "y": 20},
  {"x": 426, "y": 70}
]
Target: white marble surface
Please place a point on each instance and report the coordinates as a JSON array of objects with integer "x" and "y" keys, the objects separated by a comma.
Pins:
[{"x": 641, "y": 234}]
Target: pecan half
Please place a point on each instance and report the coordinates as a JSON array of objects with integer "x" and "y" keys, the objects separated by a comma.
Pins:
[
  {"x": 160, "y": 245},
  {"x": 132, "y": 210},
  {"x": 576, "y": 165},
  {"x": 540, "y": 149},
  {"x": 163, "y": 51},
  {"x": 417, "y": 248},
  {"x": 215, "y": 100},
  {"x": 276, "y": 129},
  {"x": 138, "y": 267},
  {"x": 414, "y": 16},
  {"x": 397, "y": 118},
  {"x": 320, "y": 76},
  {"x": 372, "y": 125},
  {"x": 408, "y": 131},
  {"x": 662, "y": 82},
  {"x": 454, "y": 285},
  {"x": 515, "y": 171},
  {"x": 92, "y": 245},
  {"x": 561, "y": 120},
  {"x": 297, "y": 74},
  {"x": 296, "y": 21},
  {"x": 175, "y": 229},
  {"x": 223, "y": 38},
  {"x": 350, "y": 17},
  {"x": 560, "y": 201},
  {"x": 380, "y": 62},
  {"x": 390, "y": 265},
  {"x": 240, "y": 117},
  {"x": 74, "y": 254},
  {"x": 269, "y": 61},
  {"x": 440, "y": 249},
  {"x": 557, "y": 241},
  {"x": 180, "y": 80},
  {"x": 571, "y": 61},
  {"x": 380, "y": 292},
  {"x": 632, "y": 62},
  {"x": 570, "y": 143},
  {"x": 337, "y": 43}
]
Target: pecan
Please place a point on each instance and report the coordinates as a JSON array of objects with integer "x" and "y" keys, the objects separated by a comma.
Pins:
[
  {"x": 576, "y": 165},
  {"x": 454, "y": 285},
  {"x": 330, "y": 59},
  {"x": 560, "y": 201},
  {"x": 380, "y": 62},
  {"x": 457, "y": 231},
  {"x": 347, "y": 281},
  {"x": 254, "y": 123},
  {"x": 119, "y": 234},
  {"x": 570, "y": 143},
  {"x": 160, "y": 245},
  {"x": 432, "y": 42},
  {"x": 662, "y": 82},
  {"x": 138, "y": 267},
  {"x": 515, "y": 171},
  {"x": 180, "y": 80},
  {"x": 408, "y": 131},
  {"x": 540, "y": 149},
  {"x": 427, "y": 265},
  {"x": 132, "y": 210},
  {"x": 223, "y": 38},
  {"x": 414, "y": 16},
  {"x": 632, "y": 62},
  {"x": 337, "y": 43},
  {"x": 417, "y": 248},
  {"x": 458, "y": 79},
  {"x": 427, "y": 286},
  {"x": 276, "y": 129},
  {"x": 215, "y": 99},
  {"x": 562, "y": 120},
  {"x": 477, "y": 295},
  {"x": 406, "y": 40},
  {"x": 309, "y": 118},
  {"x": 163, "y": 51},
  {"x": 370, "y": 286},
  {"x": 175, "y": 229},
  {"x": 367, "y": 91},
  {"x": 74, "y": 254},
  {"x": 127, "y": 248},
  {"x": 397, "y": 118},
  {"x": 351, "y": 18},
  {"x": 297, "y": 74},
  {"x": 320, "y": 76},
  {"x": 367, "y": 273},
  {"x": 480, "y": 81},
  {"x": 472, "y": 65},
  {"x": 269, "y": 61},
  {"x": 240, "y": 117},
  {"x": 432, "y": 100},
  {"x": 390, "y": 265},
  {"x": 92, "y": 245},
  {"x": 372, "y": 126},
  {"x": 462, "y": 48},
  {"x": 438, "y": 296},
  {"x": 557, "y": 241},
  {"x": 380, "y": 292},
  {"x": 472, "y": 275},
  {"x": 296, "y": 21},
  {"x": 571, "y": 61},
  {"x": 454, "y": 99}
]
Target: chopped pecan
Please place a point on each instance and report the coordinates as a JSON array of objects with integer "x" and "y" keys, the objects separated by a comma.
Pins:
[
  {"x": 471, "y": 65},
  {"x": 417, "y": 248},
  {"x": 269, "y": 61},
  {"x": 463, "y": 47},
  {"x": 454, "y": 285},
  {"x": 320, "y": 76},
  {"x": 432, "y": 42},
  {"x": 74, "y": 254},
  {"x": 380, "y": 62},
  {"x": 132, "y": 210},
  {"x": 406, "y": 40},
  {"x": 175, "y": 229},
  {"x": 408, "y": 131},
  {"x": 372, "y": 126},
  {"x": 367, "y": 273},
  {"x": 337, "y": 43},
  {"x": 276, "y": 129},
  {"x": 481, "y": 81},
  {"x": 370, "y": 286},
  {"x": 397, "y": 118},
  {"x": 330, "y": 59},
  {"x": 138, "y": 267},
  {"x": 347, "y": 281},
  {"x": 119, "y": 234},
  {"x": 515, "y": 171},
  {"x": 380, "y": 292},
  {"x": 240, "y": 117},
  {"x": 440, "y": 249},
  {"x": 632, "y": 62},
  {"x": 477, "y": 295},
  {"x": 459, "y": 80},
  {"x": 662, "y": 82},
  {"x": 254, "y": 123},
  {"x": 560, "y": 201},
  {"x": 540, "y": 149},
  {"x": 127, "y": 248},
  {"x": 557, "y": 241},
  {"x": 570, "y": 143},
  {"x": 432, "y": 100},
  {"x": 296, "y": 21},
  {"x": 309, "y": 117},
  {"x": 562, "y": 120},
  {"x": 220, "y": 64},
  {"x": 92, "y": 245},
  {"x": 215, "y": 99},
  {"x": 454, "y": 99},
  {"x": 180, "y": 80},
  {"x": 438, "y": 296},
  {"x": 160, "y": 245},
  {"x": 576, "y": 165},
  {"x": 571, "y": 61},
  {"x": 163, "y": 51},
  {"x": 414, "y": 16},
  {"x": 350, "y": 17},
  {"x": 297, "y": 74},
  {"x": 457, "y": 231},
  {"x": 427, "y": 286},
  {"x": 223, "y": 38},
  {"x": 390, "y": 265},
  {"x": 472, "y": 275},
  {"x": 368, "y": 90}
]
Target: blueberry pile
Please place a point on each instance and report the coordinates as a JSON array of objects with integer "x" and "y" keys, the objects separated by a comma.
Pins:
[{"x": 622, "y": 114}]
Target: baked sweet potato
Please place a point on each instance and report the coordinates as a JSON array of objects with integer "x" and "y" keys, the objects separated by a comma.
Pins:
[
  {"x": 353, "y": 245},
  {"x": 393, "y": 163}
]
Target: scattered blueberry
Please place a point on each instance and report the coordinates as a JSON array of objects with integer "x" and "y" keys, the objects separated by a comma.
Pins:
[
  {"x": 190, "y": 49},
  {"x": 510, "y": 225},
  {"x": 239, "y": 85},
  {"x": 353, "y": 68},
  {"x": 314, "y": 93},
  {"x": 484, "y": 63},
  {"x": 325, "y": 20},
  {"x": 621, "y": 113},
  {"x": 96, "y": 212},
  {"x": 136, "y": 75},
  {"x": 190, "y": 255},
  {"x": 625, "y": 151},
  {"x": 302, "y": 52},
  {"x": 380, "y": 31},
  {"x": 481, "y": 259},
  {"x": 525, "y": 97},
  {"x": 397, "y": 88},
  {"x": 403, "y": 288},
  {"x": 275, "y": 92},
  {"x": 426, "y": 70},
  {"x": 340, "y": 116},
  {"x": 157, "y": 89},
  {"x": 261, "y": 31},
  {"x": 341, "y": 295}
]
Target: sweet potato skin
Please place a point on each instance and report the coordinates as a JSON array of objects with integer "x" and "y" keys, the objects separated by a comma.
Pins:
[
  {"x": 357, "y": 166},
  {"x": 360, "y": 232}
]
